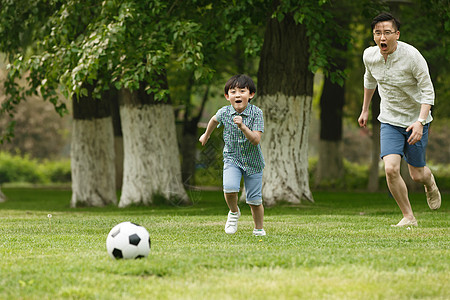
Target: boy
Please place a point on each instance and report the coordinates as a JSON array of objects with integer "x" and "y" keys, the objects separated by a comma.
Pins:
[
  {"x": 407, "y": 94},
  {"x": 242, "y": 156}
]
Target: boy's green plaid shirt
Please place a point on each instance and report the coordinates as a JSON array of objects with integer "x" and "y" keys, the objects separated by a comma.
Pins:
[{"x": 238, "y": 149}]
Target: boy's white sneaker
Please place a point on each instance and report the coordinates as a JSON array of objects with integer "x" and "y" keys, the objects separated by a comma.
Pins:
[
  {"x": 259, "y": 232},
  {"x": 231, "y": 225}
]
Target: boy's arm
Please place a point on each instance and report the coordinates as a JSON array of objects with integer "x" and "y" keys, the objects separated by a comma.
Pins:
[
  {"x": 253, "y": 136},
  {"x": 212, "y": 124}
]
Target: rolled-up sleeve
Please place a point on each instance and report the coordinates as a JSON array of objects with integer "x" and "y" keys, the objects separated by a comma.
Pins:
[
  {"x": 421, "y": 73},
  {"x": 369, "y": 81}
]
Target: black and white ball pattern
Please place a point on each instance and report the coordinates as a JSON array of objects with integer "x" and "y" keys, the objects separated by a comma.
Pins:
[{"x": 128, "y": 241}]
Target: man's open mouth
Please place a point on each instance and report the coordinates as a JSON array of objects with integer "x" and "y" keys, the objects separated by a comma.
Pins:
[{"x": 383, "y": 46}]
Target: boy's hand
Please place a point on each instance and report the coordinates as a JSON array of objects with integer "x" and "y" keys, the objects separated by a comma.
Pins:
[
  {"x": 203, "y": 139},
  {"x": 238, "y": 121}
]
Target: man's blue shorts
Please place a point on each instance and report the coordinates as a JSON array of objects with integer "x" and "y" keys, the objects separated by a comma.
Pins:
[
  {"x": 393, "y": 140},
  {"x": 232, "y": 176}
]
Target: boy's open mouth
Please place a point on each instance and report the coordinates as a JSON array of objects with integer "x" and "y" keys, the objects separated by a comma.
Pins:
[{"x": 238, "y": 101}]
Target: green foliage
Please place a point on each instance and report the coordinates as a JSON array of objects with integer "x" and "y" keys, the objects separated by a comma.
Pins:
[
  {"x": 23, "y": 169},
  {"x": 19, "y": 169},
  {"x": 209, "y": 177},
  {"x": 341, "y": 247},
  {"x": 57, "y": 171},
  {"x": 432, "y": 39}
]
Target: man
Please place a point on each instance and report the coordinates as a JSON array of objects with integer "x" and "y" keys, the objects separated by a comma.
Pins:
[{"x": 407, "y": 94}]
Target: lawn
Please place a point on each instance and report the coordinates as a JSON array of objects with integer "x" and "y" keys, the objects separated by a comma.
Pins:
[{"x": 341, "y": 247}]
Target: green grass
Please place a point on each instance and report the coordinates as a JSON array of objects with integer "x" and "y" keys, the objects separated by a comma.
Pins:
[{"x": 341, "y": 247}]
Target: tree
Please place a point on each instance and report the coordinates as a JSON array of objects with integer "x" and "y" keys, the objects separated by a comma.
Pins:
[
  {"x": 294, "y": 48},
  {"x": 92, "y": 152},
  {"x": 330, "y": 166},
  {"x": 149, "y": 129},
  {"x": 285, "y": 94},
  {"x": 125, "y": 45}
]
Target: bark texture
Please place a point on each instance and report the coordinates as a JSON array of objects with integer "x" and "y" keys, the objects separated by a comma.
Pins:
[
  {"x": 285, "y": 87},
  {"x": 92, "y": 163},
  {"x": 285, "y": 148},
  {"x": 151, "y": 155},
  {"x": 92, "y": 152}
]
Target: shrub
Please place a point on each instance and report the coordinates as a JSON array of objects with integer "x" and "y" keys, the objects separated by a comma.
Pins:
[
  {"x": 23, "y": 169},
  {"x": 15, "y": 168},
  {"x": 57, "y": 171}
]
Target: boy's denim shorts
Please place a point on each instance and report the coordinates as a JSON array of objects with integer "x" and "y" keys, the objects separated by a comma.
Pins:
[
  {"x": 232, "y": 175},
  {"x": 393, "y": 140}
]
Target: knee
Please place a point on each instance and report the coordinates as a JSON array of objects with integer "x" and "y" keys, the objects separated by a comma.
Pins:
[{"x": 392, "y": 171}]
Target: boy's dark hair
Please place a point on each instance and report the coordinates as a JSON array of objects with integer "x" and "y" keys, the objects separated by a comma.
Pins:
[
  {"x": 240, "y": 81},
  {"x": 384, "y": 16}
]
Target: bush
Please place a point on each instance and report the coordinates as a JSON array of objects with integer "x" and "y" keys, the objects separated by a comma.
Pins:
[
  {"x": 356, "y": 176},
  {"x": 57, "y": 171},
  {"x": 14, "y": 168},
  {"x": 23, "y": 169},
  {"x": 208, "y": 177}
]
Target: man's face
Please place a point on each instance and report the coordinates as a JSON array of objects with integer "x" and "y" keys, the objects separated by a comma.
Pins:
[
  {"x": 385, "y": 36},
  {"x": 239, "y": 98}
]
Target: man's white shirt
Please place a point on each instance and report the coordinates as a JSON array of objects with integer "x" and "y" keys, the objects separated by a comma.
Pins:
[{"x": 404, "y": 83}]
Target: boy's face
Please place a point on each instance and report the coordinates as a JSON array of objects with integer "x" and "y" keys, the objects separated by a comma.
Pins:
[
  {"x": 385, "y": 36},
  {"x": 239, "y": 98}
]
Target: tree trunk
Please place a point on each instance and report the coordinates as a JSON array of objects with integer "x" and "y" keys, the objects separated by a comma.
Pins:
[
  {"x": 118, "y": 136},
  {"x": 151, "y": 155},
  {"x": 285, "y": 87},
  {"x": 189, "y": 143},
  {"x": 330, "y": 166},
  {"x": 189, "y": 140},
  {"x": 92, "y": 153},
  {"x": 2, "y": 197},
  {"x": 374, "y": 182}
]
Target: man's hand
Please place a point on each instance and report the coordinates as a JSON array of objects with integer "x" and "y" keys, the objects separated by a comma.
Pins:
[
  {"x": 416, "y": 134},
  {"x": 363, "y": 118}
]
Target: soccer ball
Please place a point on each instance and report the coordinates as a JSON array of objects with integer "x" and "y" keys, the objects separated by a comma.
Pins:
[{"x": 128, "y": 241}]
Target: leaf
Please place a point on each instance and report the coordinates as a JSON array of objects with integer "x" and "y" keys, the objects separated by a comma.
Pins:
[{"x": 198, "y": 73}]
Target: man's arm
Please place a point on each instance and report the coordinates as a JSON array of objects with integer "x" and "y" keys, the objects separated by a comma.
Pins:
[
  {"x": 364, "y": 116},
  {"x": 212, "y": 124}
]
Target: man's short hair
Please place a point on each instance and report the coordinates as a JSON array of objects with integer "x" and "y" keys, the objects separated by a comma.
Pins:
[
  {"x": 240, "y": 81},
  {"x": 384, "y": 16}
]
